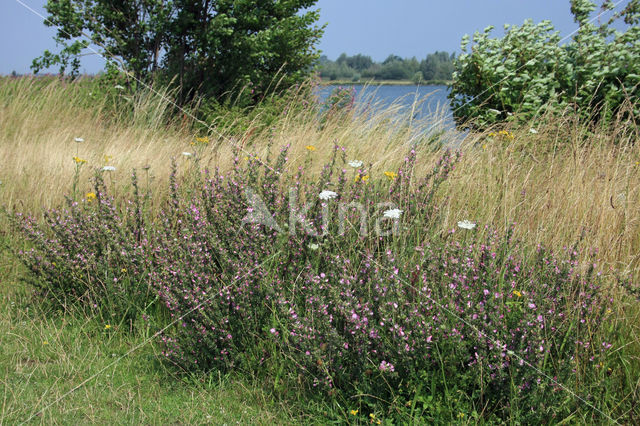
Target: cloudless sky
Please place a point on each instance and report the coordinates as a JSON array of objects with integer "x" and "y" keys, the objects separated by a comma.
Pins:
[{"x": 372, "y": 27}]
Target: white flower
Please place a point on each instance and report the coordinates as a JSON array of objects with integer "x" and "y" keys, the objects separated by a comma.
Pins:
[
  {"x": 79, "y": 140},
  {"x": 187, "y": 154},
  {"x": 465, "y": 224},
  {"x": 495, "y": 111},
  {"x": 534, "y": 131},
  {"x": 393, "y": 213},
  {"x": 355, "y": 163},
  {"x": 117, "y": 86},
  {"x": 313, "y": 246},
  {"x": 108, "y": 169},
  {"x": 327, "y": 195}
]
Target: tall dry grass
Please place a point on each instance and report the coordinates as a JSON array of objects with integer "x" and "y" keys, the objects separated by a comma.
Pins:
[{"x": 564, "y": 183}]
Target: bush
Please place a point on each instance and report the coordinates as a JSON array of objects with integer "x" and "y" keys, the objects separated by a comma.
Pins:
[
  {"x": 376, "y": 319},
  {"x": 528, "y": 72},
  {"x": 92, "y": 252}
]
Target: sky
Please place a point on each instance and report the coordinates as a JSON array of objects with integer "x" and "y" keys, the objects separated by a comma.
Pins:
[{"x": 376, "y": 28}]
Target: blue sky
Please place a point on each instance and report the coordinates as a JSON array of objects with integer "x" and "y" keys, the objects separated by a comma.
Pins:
[{"x": 372, "y": 27}]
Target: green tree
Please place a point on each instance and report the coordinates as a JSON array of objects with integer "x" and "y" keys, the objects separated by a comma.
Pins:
[
  {"x": 529, "y": 72},
  {"x": 208, "y": 47}
]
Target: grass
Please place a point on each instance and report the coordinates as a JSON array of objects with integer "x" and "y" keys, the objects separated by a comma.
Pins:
[
  {"x": 67, "y": 368},
  {"x": 560, "y": 185},
  {"x": 567, "y": 183}
]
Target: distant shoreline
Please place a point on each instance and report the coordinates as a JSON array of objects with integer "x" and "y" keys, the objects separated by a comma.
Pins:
[{"x": 384, "y": 83}]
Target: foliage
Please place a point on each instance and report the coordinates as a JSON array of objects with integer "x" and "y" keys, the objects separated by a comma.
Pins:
[
  {"x": 529, "y": 71},
  {"x": 93, "y": 253},
  {"x": 436, "y": 66},
  {"x": 205, "y": 48},
  {"x": 403, "y": 315}
]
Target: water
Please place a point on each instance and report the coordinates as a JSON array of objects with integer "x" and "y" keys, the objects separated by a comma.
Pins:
[
  {"x": 431, "y": 100},
  {"x": 424, "y": 109}
]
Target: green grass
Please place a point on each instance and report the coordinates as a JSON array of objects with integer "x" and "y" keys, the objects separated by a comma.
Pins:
[
  {"x": 60, "y": 368},
  {"x": 85, "y": 373}
]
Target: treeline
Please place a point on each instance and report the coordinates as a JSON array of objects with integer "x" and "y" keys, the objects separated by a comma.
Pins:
[{"x": 436, "y": 66}]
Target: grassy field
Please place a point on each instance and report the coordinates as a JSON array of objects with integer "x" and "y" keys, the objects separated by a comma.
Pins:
[{"x": 562, "y": 183}]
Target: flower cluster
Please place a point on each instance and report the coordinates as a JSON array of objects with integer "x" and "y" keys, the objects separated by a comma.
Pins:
[{"x": 346, "y": 310}]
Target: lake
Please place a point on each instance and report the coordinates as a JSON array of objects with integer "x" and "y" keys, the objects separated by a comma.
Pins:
[{"x": 426, "y": 101}]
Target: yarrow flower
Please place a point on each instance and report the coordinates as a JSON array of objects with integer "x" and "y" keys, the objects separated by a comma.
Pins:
[
  {"x": 78, "y": 140},
  {"x": 533, "y": 131},
  {"x": 327, "y": 195},
  {"x": 118, "y": 87},
  {"x": 465, "y": 224},
  {"x": 355, "y": 163},
  {"x": 310, "y": 148},
  {"x": 391, "y": 175},
  {"x": 313, "y": 246},
  {"x": 393, "y": 213},
  {"x": 108, "y": 169},
  {"x": 187, "y": 154}
]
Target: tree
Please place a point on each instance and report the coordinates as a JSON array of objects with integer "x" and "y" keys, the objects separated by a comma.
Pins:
[
  {"x": 208, "y": 47},
  {"x": 359, "y": 62},
  {"x": 528, "y": 71}
]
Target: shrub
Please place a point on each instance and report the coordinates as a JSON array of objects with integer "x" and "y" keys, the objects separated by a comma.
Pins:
[
  {"x": 379, "y": 321},
  {"x": 528, "y": 71},
  {"x": 93, "y": 252}
]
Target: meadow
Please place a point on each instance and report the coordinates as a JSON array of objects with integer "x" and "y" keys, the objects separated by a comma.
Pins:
[{"x": 145, "y": 297}]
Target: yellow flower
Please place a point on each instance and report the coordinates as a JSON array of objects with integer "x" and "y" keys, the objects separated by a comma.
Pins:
[
  {"x": 637, "y": 163},
  {"x": 107, "y": 158},
  {"x": 79, "y": 160},
  {"x": 123, "y": 270},
  {"x": 204, "y": 140},
  {"x": 354, "y": 412},
  {"x": 460, "y": 415},
  {"x": 54, "y": 264},
  {"x": 107, "y": 327},
  {"x": 391, "y": 175},
  {"x": 45, "y": 343},
  {"x": 310, "y": 148},
  {"x": 91, "y": 196},
  {"x": 492, "y": 134},
  {"x": 484, "y": 146},
  {"x": 373, "y": 416},
  {"x": 517, "y": 293},
  {"x": 506, "y": 134}
]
